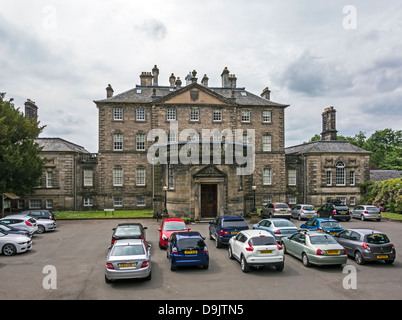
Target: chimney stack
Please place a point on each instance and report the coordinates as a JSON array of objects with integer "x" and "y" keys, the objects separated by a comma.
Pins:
[
  {"x": 155, "y": 72},
  {"x": 178, "y": 82},
  {"x": 232, "y": 81},
  {"x": 225, "y": 78},
  {"x": 109, "y": 91},
  {"x": 146, "y": 79},
  {"x": 266, "y": 94},
  {"x": 329, "y": 132},
  {"x": 31, "y": 110},
  {"x": 204, "y": 80}
]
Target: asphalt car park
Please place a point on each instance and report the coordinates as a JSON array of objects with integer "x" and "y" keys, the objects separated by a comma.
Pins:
[{"x": 69, "y": 264}]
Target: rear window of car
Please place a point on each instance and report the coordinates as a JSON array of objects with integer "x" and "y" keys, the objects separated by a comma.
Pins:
[
  {"x": 129, "y": 250},
  {"x": 281, "y": 206},
  {"x": 309, "y": 208},
  {"x": 377, "y": 238},
  {"x": 125, "y": 231},
  {"x": 374, "y": 209},
  {"x": 234, "y": 223},
  {"x": 341, "y": 207},
  {"x": 174, "y": 225},
  {"x": 262, "y": 241},
  {"x": 190, "y": 243},
  {"x": 32, "y": 220},
  {"x": 331, "y": 225},
  {"x": 322, "y": 239},
  {"x": 281, "y": 223}
]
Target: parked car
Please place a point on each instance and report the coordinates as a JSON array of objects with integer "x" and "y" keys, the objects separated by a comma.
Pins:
[
  {"x": 225, "y": 227},
  {"x": 187, "y": 249},
  {"x": 8, "y": 229},
  {"x": 21, "y": 222},
  {"x": 45, "y": 219},
  {"x": 11, "y": 244},
  {"x": 330, "y": 226},
  {"x": 314, "y": 247},
  {"x": 278, "y": 227},
  {"x": 366, "y": 212},
  {"x": 367, "y": 245},
  {"x": 256, "y": 248},
  {"x": 334, "y": 210},
  {"x": 276, "y": 210},
  {"x": 130, "y": 230},
  {"x": 303, "y": 211},
  {"x": 169, "y": 226},
  {"x": 128, "y": 259}
]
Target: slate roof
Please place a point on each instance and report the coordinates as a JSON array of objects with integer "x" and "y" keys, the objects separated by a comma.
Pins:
[
  {"x": 381, "y": 175},
  {"x": 145, "y": 94},
  {"x": 59, "y": 145},
  {"x": 333, "y": 146}
]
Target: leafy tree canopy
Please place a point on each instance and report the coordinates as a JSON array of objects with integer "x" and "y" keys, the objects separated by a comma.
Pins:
[{"x": 20, "y": 163}]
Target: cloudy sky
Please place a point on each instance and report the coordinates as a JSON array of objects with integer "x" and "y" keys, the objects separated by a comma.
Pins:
[{"x": 311, "y": 54}]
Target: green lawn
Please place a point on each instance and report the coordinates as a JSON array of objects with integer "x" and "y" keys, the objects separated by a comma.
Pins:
[
  {"x": 396, "y": 216},
  {"x": 101, "y": 214}
]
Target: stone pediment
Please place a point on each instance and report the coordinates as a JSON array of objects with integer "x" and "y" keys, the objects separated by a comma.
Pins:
[
  {"x": 194, "y": 94},
  {"x": 209, "y": 171}
]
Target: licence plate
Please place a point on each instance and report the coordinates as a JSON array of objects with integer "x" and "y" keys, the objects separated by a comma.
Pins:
[
  {"x": 333, "y": 233},
  {"x": 382, "y": 256},
  {"x": 34, "y": 225},
  {"x": 127, "y": 265},
  {"x": 283, "y": 210},
  {"x": 190, "y": 252},
  {"x": 265, "y": 251},
  {"x": 309, "y": 216},
  {"x": 234, "y": 232},
  {"x": 332, "y": 251},
  {"x": 343, "y": 212}
]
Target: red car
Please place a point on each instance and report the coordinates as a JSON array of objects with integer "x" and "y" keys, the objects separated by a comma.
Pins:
[{"x": 169, "y": 226}]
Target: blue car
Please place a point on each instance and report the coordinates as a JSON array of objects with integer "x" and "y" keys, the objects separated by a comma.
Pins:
[
  {"x": 330, "y": 226},
  {"x": 225, "y": 227},
  {"x": 187, "y": 249}
]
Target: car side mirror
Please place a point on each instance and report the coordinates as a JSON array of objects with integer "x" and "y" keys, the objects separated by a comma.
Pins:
[
  {"x": 188, "y": 229},
  {"x": 145, "y": 228},
  {"x": 159, "y": 229}
]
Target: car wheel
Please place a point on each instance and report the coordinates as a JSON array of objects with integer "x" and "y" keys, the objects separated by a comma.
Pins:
[
  {"x": 284, "y": 248},
  {"x": 149, "y": 277},
  {"x": 9, "y": 249},
  {"x": 280, "y": 267},
  {"x": 362, "y": 218},
  {"x": 172, "y": 267},
  {"x": 217, "y": 242},
  {"x": 41, "y": 229},
  {"x": 230, "y": 253},
  {"x": 299, "y": 217},
  {"x": 305, "y": 260},
  {"x": 243, "y": 264},
  {"x": 108, "y": 280},
  {"x": 205, "y": 266},
  {"x": 359, "y": 258}
]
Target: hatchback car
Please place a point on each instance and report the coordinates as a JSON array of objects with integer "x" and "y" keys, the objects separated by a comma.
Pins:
[
  {"x": 21, "y": 222},
  {"x": 335, "y": 210},
  {"x": 367, "y": 245},
  {"x": 11, "y": 244},
  {"x": 45, "y": 219},
  {"x": 8, "y": 229},
  {"x": 256, "y": 248},
  {"x": 326, "y": 225},
  {"x": 304, "y": 211},
  {"x": 187, "y": 249},
  {"x": 131, "y": 230},
  {"x": 169, "y": 226},
  {"x": 314, "y": 247},
  {"x": 366, "y": 212},
  {"x": 226, "y": 227},
  {"x": 278, "y": 227},
  {"x": 277, "y": 210},
  {"x": 128, "y": 259}
]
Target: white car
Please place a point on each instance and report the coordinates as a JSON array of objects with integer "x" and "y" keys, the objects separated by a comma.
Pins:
[
  {"x": 256, "y": 248},
  {"x": 11, "y": 244},
  {"x": 21, "y": 222}
]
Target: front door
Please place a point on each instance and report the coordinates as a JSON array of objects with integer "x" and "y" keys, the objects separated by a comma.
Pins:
[{"x": 209, "y": 200}]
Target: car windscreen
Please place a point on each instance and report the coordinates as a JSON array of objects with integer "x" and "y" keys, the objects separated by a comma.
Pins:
[
  {"x": 377, "y": 238},
  {"x": 129, "y": 250},
  {"x": 283, "y": 223},
  {"x": 322, "y": 239},
  {"x": 262, "y": 241},
  {"x": 174, "y": 225},
  {"x": 308, "y": 208},
  {"x": 234, "y": 223},
  {"x": 331, "y": 225},
  {"x": 190, "y": 243},
  {"x": 281, "y": 206},
  {"x": 128, "y": 231}
]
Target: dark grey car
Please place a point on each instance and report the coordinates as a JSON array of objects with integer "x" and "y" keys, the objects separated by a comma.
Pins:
[{"x": 367, "y": 245}]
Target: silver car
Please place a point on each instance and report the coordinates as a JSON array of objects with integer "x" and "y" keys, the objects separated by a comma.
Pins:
[
  {"x": 276, "y": 210},
  {"x": 128, "y": 259},
  {"x": 315, "y": 247},
  {"x": 278, "y": 227},
  {"x": 11, "y": 244},
  {"x": 366, "y": 212},
  {"x": 21, "y": 222},
  {"x": 303, "y": 211}
]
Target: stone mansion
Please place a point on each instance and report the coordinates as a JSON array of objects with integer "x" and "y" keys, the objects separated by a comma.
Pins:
[{"x": 196, "y": 151}]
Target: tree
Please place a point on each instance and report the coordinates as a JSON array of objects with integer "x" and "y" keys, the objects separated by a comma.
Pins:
[{"x": 20, "y": 163}]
